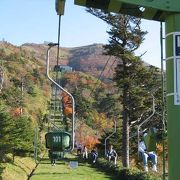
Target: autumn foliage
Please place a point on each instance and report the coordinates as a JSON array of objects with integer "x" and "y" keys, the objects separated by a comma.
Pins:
[
  {"x": 91, "y": 141},
  {"x": 101, "y": 122},
  {"x": 86, "y": 136},
  {"x": 16, "y": 112},
  {"x": 67, "y": 104}
]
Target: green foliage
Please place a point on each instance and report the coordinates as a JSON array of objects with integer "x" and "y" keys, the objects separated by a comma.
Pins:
[
  {"x": 2, "y": 53},
  {"x": 23, "y": 134},
  {"x": 135, "y": 81},
  {"x": 35, "y": 73},
  {"x": 83, "y": 104},
  {"x": 12, "y": 96},
  {"x": 6, "y": 131},
  {"x": 140, "y": 82},
  {"x": 16, "y": 133},
  {"x": 31, "y": 90},
  {"x": 124, "y": 173}
]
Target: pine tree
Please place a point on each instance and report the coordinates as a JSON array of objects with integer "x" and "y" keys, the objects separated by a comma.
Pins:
[
  {"x": 23, "y": 134},
  {"x": 6, "y": 130},
  {"x": 125, "y": 37},
  {"x": 16, "y": 133}
]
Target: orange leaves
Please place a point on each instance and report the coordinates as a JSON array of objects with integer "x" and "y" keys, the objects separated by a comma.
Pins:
[
  {"x": 91, "y": 141},
  {"x": 72, "y": 78},
  {"x": 85, "y": 135},
  {"x": 160, "y": 149},
  {"x": 68, "y": 111},
  {"x": 67, "y": 104},
  {"x": 16, "y": 112}
]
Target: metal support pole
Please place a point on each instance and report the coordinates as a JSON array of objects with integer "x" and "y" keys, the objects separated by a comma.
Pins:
[
  {"x": 1, "y": 77},
  {"x": 109, "y": 137},
  {"x": 173, "y": 93},
  {"x": 22, "y": 91},
  {"x": 73, "y": 102},
  {"x": 163, "y": 99},
  {"x": 35, "y": 145}
]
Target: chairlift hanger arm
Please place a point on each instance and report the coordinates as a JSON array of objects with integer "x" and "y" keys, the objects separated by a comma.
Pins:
[
  {"x": 109, "y": 137},
  {"x": 153, "y": 108},
  {"x": 54, "y": 82}
]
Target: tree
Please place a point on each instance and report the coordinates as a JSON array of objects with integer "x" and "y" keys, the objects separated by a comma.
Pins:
[
  {"x": 67, "y": 104},
  {"x": 125, "y": 37},
  {"x": 16, "y": 133},
  {"x": 12, "y": 96},
  {"x": 6, "y": 130},
  {"x": 23, "y": 133},
  {"x": 137, "y": 82}
]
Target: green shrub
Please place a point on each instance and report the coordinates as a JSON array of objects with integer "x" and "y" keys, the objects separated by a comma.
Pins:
[{"x": 124, "y": 173}]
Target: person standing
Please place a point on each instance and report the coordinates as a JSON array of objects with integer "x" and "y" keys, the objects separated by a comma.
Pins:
[
  {"x": 85, "y": 152},
  {"x": 52, "y": 157},
  {"x": 79, "y": 149},
  {"x": 94, "y": 155},
  {"x": 112, "y": 155}
]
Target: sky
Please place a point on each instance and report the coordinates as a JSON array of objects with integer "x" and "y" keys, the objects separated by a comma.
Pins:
[{"x": 36, "y": 21}]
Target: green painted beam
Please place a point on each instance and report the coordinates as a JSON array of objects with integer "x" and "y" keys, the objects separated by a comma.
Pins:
[
  {"x": 168, "y": 5},
  {"x": 154, "y": 9},
  {"x": 163, "y": 5},
  {"x": 99, "y": 4}
]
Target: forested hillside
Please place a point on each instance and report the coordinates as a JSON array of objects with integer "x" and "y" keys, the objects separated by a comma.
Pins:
[
  {"x": 89, "y": 59},
  {"x": 25, "y": 90},
  {"x": 26, "y": 94},
  {"x": 24, "y": 97},
  {"x": 24, "y": 86}
]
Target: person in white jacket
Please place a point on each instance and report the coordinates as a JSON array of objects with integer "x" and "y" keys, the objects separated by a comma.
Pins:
[
  {"x": 112, "y": 155},
  {"x": 145, "y": 155}
]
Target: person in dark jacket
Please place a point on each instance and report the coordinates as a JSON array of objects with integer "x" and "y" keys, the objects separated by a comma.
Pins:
[{"x": 94, "y": 155}]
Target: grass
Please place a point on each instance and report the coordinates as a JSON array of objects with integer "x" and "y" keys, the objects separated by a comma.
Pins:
[
  {"x": 22, "y": 167},
  {"x": 19, "y": 169},
  {"x": 63, "y": 171}
]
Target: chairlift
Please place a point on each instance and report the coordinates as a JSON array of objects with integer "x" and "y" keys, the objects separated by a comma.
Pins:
[
  {"x": 59, "y": 140},
  {"x": 62, "y": 68},
  {"x": 146, "y": 120}
]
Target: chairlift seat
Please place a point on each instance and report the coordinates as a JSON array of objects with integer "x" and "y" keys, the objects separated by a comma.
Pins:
[{"x": 58, "y": 141}]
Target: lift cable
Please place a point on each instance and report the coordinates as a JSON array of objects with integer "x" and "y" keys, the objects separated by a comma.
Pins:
[
  {"x": 56, "y": 69},
  {"x": 59, "y": 32},
  {"x": 101, "y": 75}
]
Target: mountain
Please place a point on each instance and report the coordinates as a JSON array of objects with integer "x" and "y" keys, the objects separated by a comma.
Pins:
[
  {"x": 88, "y": 59},
  {"x": 26, "y": 65}
]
